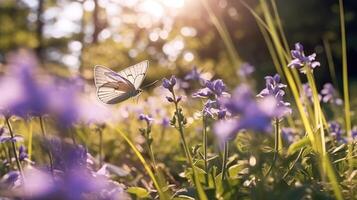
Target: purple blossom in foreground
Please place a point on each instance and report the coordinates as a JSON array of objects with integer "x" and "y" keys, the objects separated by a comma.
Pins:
[
  {"x": 329, "y": 95},
  {"x": 300, "y": 60},
  {"x": 169, "y": 83},
  {"x": 147, "y": 118},
  {"x": 245, "y": 70},
  {"x": 251, "y": 114},
  {"x": 275, "y": 89},
  {"x": 336, "y": 131},
  {"x": 73, "y": 178}
]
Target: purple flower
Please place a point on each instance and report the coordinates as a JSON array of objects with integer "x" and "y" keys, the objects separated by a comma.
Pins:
[
  {"x": 275, "y": 89},
  {"x": 147, "y": 118},
  {"x": 245, "y": 70},
  {"x": 22, "y": 153},
  {"x": 212, "y": 90},
  {"x": 5, "y": 136},
  {"x": 288, "y": 134},
  {"x": 249, "y": 114},
  {"x": 336, "y": 131},
  {"x": 165, "y": 122},
  {"x": 300, "y": 60},
  {"x": 169, "y": 83},
  {"x": 195, "y": 75},
  {"x": 329, "y": 95},
  {"x": 354, "y": 132}
]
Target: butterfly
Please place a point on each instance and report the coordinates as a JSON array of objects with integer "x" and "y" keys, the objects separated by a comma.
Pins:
[{"x": 113, "y": 87}]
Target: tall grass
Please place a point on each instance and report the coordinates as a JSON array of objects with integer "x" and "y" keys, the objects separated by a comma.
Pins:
[{"x": 277, "y": 45}]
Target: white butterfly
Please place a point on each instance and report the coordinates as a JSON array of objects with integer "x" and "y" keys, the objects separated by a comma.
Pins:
[{"x": 113, "y": 87}]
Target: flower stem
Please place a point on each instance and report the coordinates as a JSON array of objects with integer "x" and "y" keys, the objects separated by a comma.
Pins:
[
  {"x": 225, "y": 159},
  {"x": 13, "y": 145},
  {"x": 196, "y": 180},
  {"x": 42, "y": 124},
  {"x": 100, "y": 148},
  {"x": 276, "y": 146},
  {"x": 204, "y": 143}
]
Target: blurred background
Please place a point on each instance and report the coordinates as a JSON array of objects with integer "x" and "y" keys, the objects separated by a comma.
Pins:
[{"x": 70, "y": 37}]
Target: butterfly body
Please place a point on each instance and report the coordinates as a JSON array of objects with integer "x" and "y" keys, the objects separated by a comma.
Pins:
[{"x": 115, "y": 87}]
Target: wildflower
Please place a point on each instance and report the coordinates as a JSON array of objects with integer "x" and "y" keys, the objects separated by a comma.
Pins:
[
  {"x": 275, "y": 89},
  {"x": 195, "y": 75},
  {"x": 354, "y": 132},
  {"x": 147, "y": 118},
  {"x": 213, "y": 89},
  {"x": 329, "y": 95},
  {"x": 169, "y": 83},
  {"x": 251, "y": 114},
  {"x": 336, "y": 131},
  {"x": 165, "y": 122},
  {"x": 245, "y": 70},
  {"x": 5, "y": 136},
  {"x": 300, "y": 60},
  {"x": 288, "y": 134},
  {"x": 22, "y": 153}
]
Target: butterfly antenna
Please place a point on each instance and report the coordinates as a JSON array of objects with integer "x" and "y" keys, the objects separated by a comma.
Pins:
[{"x": 150, "y": 84}]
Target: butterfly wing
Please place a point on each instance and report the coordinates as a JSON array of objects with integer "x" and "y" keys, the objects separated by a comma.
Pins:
[
  {"x": 114, "y": 92},
  {"x": 136, "y": 73},
  {"x": 111, "y": 87}
]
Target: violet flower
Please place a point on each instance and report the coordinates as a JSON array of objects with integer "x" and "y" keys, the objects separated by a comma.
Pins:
[
  {"x": 169, "y": 83},
  {"x": 245, "y": 70},
  {"x": 22, "y": 153},
  {"x": 329, "y": 95},
  {"x": 275, "y": 89},
  {"x": 147, "y": 118},
  {"x": 195, "y": 75},
  {"x": 336, "y": 131},
  {"x": 249, "y": 114},
  {"x": 300, "y": 60}
]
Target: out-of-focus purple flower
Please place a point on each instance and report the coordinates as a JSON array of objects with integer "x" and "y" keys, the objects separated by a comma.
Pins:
[
  {"x": 165, "y": 122},
  {"x": 336, "y": 131},
  {"x": 195, "y": 75},
  {"x": 306, "y": 93},
  {"x": 245, "y": 70},
  {"x": 169, "y": 83},
  {"x": 275, "y": 89},
  {"x": 329, "y": 95},
  {"x": 300, "y": 60},
  {"x": 251, "y": 114},
  {"x": 147, "y": 118},
  {"x": 5, "y": 136},
  {"x": 354, "y": 132},
  {"x": 288, "y": 134},
  {"x": 22, "y": 153}
]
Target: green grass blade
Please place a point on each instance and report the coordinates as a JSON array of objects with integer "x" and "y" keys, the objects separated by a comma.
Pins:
[
  {"x": 345, "y": 85},
  {"x": 223, "y": 32},
  {"x": 162, "y": 195}
]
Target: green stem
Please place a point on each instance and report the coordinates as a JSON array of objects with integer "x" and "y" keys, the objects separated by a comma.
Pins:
[
  {"x": 100, "y": 148},
  {"x": 276, "y": 146},
  {"x": 42, "y": 124},
  {"x": 199, "y": 187},
  {"x": 346, "y": 95},
  {"x": 204, "y": 143},
  {"x": 13, "y": 145},
  {"x": 225, "y": 159}
]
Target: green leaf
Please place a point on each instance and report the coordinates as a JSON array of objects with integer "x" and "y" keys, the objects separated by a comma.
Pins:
[
  {"x": 139, "y": 192},
  {"x": 298, "y": 145}
]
